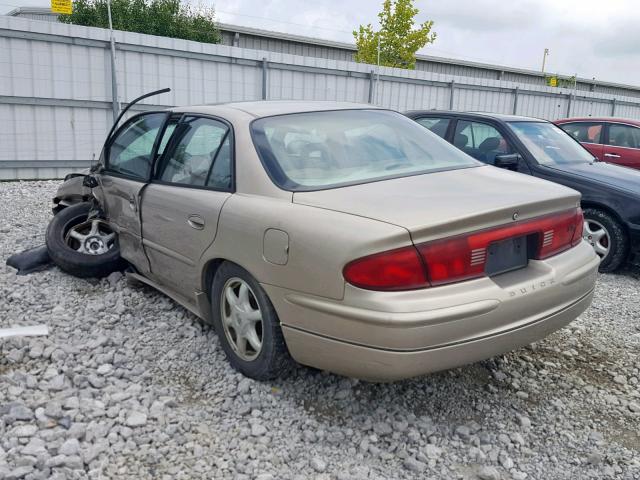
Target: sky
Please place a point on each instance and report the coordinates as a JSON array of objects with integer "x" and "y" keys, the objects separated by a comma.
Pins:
[{"x": 593, "y": 39}]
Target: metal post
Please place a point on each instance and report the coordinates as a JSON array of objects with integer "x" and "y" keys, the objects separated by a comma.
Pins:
[
  {"x": 569, "y": 106},
  {"x": 515, "y": 100},
  {"x": 544, "y": 58},
  {"x": 378, "y": 79},
  {"x": 613, "y": 107},
  {"x": 114, "y": 79},
  {"x": 264, "y": 78},
  {"x": 370, "y": 100},
  {"x": 451, "y": 92}
]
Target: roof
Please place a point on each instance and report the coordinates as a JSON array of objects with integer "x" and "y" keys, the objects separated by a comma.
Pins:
[
  {"x": 599, "y": 119},
  {"x": 16, "y": 12},
  {"x": 266, "y": 108},
  {"x": 425, "y": 58},
  {"x": 498, "y": 116}
]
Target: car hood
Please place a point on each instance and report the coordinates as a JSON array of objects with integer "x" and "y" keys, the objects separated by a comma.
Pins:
[
  {"x": 616, "y": 176},
  {"x": 446, "y": 203}
]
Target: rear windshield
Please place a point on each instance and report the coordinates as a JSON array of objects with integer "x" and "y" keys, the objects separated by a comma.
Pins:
[{"x": 320, "y": 150}]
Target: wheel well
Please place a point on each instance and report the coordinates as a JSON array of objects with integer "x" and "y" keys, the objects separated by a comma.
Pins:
[
  {"x": 609, "y": 211},
  {"x": 64, "y": 202},
  {"x": 208, "y": 273}
]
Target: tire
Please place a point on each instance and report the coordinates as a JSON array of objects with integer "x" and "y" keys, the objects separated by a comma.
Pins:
[
  {"x": 618, "y": 242},
  {"x": 72, "y": 261},
  {"x": 273, "y": 359}
]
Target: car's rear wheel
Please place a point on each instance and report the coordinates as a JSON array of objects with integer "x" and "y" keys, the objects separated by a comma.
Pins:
[
  {"x": 81, "y": 246},
  {"x": 247, "y": 324},
  {"x": 607, "y": 237}
]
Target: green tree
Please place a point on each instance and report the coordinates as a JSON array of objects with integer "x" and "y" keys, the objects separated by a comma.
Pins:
[
  {"x": 167, "y": 18},
  {"x": 399, "y": 41}
]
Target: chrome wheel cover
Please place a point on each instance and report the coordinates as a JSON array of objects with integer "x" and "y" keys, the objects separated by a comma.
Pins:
[{"x": 241, "y": 319}]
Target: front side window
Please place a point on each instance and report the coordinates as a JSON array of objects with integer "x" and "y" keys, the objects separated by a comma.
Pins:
[
  {"x": 624, "y": 136},
  {"x": 200, "y": 155},
  {"x": 438, "y": 126},
  {"x": 550, "y": 145},
  {"x": 480, "y": 140},
  {"x": 130, "y": 152},
  {"x": 319, "y": 150},
  {"x": 584, "y": 132}
]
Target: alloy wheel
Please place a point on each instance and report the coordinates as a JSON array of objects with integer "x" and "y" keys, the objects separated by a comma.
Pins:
[
  {"x": 598, "y": 237},
  {"x": 93, "y": 237},
  {"x": 241, "y": 319}
]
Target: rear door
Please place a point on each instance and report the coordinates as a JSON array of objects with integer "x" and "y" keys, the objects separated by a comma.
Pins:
[
  {"x": 128, "y": 158},
  {"x": 622, "y": 145},
  {"x": 437, "y": 125},
  {"x": 181, "y": 205},
  {"x": 589, "y": 134},
  {"x": 484, "y": 142}
]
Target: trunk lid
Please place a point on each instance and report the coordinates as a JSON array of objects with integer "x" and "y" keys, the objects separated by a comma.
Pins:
[{"x": 441, "y": 204}]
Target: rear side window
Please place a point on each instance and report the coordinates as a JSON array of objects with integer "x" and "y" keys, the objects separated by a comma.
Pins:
[
  {"x": 624, "y": 136},
  {"x": 584, "y": 132},
  {"x": 199, "y": 154},
  {"x": 131, "y": 150},
  {"x": 480, "y": 140},
  {"x": 438, "y": 126}
]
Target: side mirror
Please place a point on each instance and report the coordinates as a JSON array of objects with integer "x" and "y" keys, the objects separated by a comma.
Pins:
[
  {"x": 509, "y": 161},
  {"x": 90, "y": 181}
]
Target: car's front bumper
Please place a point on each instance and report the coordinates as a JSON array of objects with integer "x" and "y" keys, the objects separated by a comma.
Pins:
[{"x": 392, "y": 335}]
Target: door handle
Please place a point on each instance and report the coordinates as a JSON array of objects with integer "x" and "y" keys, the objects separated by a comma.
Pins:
[
  {"x": 196, "y": 221},
  {"x": 611, "y": 155}
]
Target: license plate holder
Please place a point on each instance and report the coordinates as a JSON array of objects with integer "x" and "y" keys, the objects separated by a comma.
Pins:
[{"x": 507, "y": 255}]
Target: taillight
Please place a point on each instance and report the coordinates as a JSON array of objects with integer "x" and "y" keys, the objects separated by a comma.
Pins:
[
  {"x": 400, "y": 269},
  {"x": 462, "y": 257},
  {"x": 559, "y": 233}
]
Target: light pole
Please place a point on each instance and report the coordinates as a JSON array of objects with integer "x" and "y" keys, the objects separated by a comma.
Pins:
[
  {"x": 114, "y": 82},
  {"x": 378, "y": 74},
  {"x": 544, "y": 58}
]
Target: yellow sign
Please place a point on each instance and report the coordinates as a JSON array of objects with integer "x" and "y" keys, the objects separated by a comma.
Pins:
[
  {"x": 553, "y": 81},
  {"x": 61, "y": 6}
]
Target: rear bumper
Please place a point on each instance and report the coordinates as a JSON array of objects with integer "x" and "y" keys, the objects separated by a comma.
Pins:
[
  {"x": 387, "y": 365},
  {"x": 394, "y": 335}
]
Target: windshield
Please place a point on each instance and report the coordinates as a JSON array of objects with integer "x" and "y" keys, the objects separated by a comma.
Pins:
[
  {"x": 549, "y": 144},
  {"x": 319, "y": 150}
]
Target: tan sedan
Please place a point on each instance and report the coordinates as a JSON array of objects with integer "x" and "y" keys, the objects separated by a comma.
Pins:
[{"x": 345, "y": 237}]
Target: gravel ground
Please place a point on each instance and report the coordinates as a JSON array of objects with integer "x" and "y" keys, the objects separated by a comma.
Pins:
[{"x": 130, "y": 385}]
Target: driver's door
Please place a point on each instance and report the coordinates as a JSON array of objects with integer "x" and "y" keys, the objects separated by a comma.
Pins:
[{"x": 127, "y": 168}]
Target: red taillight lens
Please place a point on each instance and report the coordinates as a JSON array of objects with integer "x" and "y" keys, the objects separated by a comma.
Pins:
[
  {"x": 558, "y": 233},
  {"x": 400, "y": 269},
  {"x": 462, "y": 257}
]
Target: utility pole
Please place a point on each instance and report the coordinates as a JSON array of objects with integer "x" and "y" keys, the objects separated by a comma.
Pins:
[
  {"x": 544, "y": 58},
  {"x": 378, "y": 73},
  {"x": 114, "y": 82}
]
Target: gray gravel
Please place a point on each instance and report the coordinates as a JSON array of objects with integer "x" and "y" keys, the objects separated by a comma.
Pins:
[{"x": 130, "y": 385}]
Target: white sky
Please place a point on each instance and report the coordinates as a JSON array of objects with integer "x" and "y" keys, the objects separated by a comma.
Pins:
[{"x": 598, "y": 39}]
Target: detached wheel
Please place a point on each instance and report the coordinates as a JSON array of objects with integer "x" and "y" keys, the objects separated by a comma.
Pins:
[
  {"x": 247, "y": 324},
  {"x": 83, "y": 247},
  {"x": 607, "y": 237}
]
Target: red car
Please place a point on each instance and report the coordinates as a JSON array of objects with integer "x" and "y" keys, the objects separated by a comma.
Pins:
[{"x": 612, "y": 140}]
